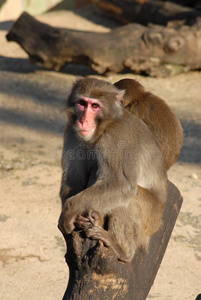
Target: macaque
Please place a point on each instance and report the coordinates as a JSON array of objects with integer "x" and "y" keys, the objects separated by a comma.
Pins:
[
  {"x": 157, "y": 115},
  {"x": 114, "y": 181}
]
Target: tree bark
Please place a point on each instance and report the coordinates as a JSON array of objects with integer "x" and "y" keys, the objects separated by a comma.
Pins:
[
  {"x": 147, "y": 11},
  {"x": 154, "y": 50},
  {"x": 95, "y": 272}
]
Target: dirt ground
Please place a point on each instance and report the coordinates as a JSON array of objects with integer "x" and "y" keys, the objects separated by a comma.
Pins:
[{"x": 32, "y": 121}]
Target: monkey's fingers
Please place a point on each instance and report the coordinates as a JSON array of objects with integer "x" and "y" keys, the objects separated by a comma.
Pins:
[
  {"x": 92, "y": 216},
  {"x": 95, "y": 233},
  {"x": 82, "y": 222}
]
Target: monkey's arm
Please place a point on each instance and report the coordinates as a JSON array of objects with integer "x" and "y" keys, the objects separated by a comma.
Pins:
[{"x": 103, "y": 196}]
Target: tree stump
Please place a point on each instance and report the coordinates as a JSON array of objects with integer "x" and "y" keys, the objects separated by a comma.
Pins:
[
  {"x": 95, "y": 272},
  {"x": 153, "y": 50}
]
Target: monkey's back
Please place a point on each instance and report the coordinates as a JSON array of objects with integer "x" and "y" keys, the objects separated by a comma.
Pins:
[
  {"x": 132, "y": 132},
  {"x": 160, "y": 119}
]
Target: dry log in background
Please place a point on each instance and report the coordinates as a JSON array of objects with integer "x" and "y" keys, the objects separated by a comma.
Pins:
[
  {"x": 153, "y": 50},
  {"x": 95, "y": 272},
  {"x": 147, "y": 11}
]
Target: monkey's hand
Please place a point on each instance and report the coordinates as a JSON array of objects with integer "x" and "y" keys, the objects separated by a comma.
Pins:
[
  {"x": 68, "y": 221},
  {"x": 87, "y": 220}
]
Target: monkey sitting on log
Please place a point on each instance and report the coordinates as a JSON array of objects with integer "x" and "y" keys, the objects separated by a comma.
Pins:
[
  {"x": 110, "y": 160},
  {"x": 157, "y": 115}
]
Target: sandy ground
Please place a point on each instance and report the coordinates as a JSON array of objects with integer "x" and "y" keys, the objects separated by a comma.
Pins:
[{"x": 32, "y": 121}]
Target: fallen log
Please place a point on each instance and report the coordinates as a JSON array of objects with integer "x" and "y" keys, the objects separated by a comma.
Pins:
[
  {"x": 147, "y": 11},
  {"x": 153, "y": 50},
  {"x": 95, "y": 272}
]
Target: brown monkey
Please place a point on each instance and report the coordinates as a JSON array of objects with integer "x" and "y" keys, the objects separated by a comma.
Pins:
[
  {"x": 157, "y": 115},
  {"x": 113, "y": 168}
]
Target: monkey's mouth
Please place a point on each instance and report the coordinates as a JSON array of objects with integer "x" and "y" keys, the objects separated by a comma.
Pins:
[{"x": 86, "y": 132}]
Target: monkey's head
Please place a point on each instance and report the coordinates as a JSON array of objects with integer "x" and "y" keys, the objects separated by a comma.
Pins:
[
  {"x": 134, "y": 91},
  {"x": 92, "y": 106}
]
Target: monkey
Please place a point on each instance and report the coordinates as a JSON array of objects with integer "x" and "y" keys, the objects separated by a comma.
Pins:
[
  {"x": 157, "y": 115},
  {"x": 134, "y": 225},
  {"x": 114, "y": 181}
]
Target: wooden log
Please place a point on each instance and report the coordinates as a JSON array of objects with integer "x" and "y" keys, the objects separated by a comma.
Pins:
[
  {"x": 154, "y": 50},
  {"x": 95, "y": 272},
  {"x": 147, "y": 11}
]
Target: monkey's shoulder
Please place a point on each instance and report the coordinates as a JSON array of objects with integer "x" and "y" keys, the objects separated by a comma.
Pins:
[
  {"x": 129, "y": 132},
  {"x": 131, "y": 125}
]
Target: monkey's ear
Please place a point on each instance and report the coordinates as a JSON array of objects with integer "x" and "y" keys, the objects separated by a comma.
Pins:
[{"x": 119, "y": 97}]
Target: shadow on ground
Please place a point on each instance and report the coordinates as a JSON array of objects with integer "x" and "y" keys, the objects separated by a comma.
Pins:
[{"x": 23, "y": 65}]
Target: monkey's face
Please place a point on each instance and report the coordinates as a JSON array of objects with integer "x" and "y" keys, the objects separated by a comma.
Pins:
[
  {"x": 88, "y": 109},
  {"x": 92, "y": 106}
]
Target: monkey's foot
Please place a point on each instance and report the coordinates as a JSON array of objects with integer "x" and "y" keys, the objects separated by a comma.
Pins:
[{"x": 98, "y": 233}]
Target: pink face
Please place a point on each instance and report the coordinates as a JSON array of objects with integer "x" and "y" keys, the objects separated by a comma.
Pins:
[{"x": 90, "y": 108}]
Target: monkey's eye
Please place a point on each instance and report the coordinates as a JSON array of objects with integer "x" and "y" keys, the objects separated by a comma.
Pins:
[
  {"x": 95, "y": 105},
  {"x": 82, "y": 102}
]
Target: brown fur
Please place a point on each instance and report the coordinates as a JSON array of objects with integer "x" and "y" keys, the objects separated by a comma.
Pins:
[
  {"x": 118, "y": 174},
  {"x": 157, "y": 115}
]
